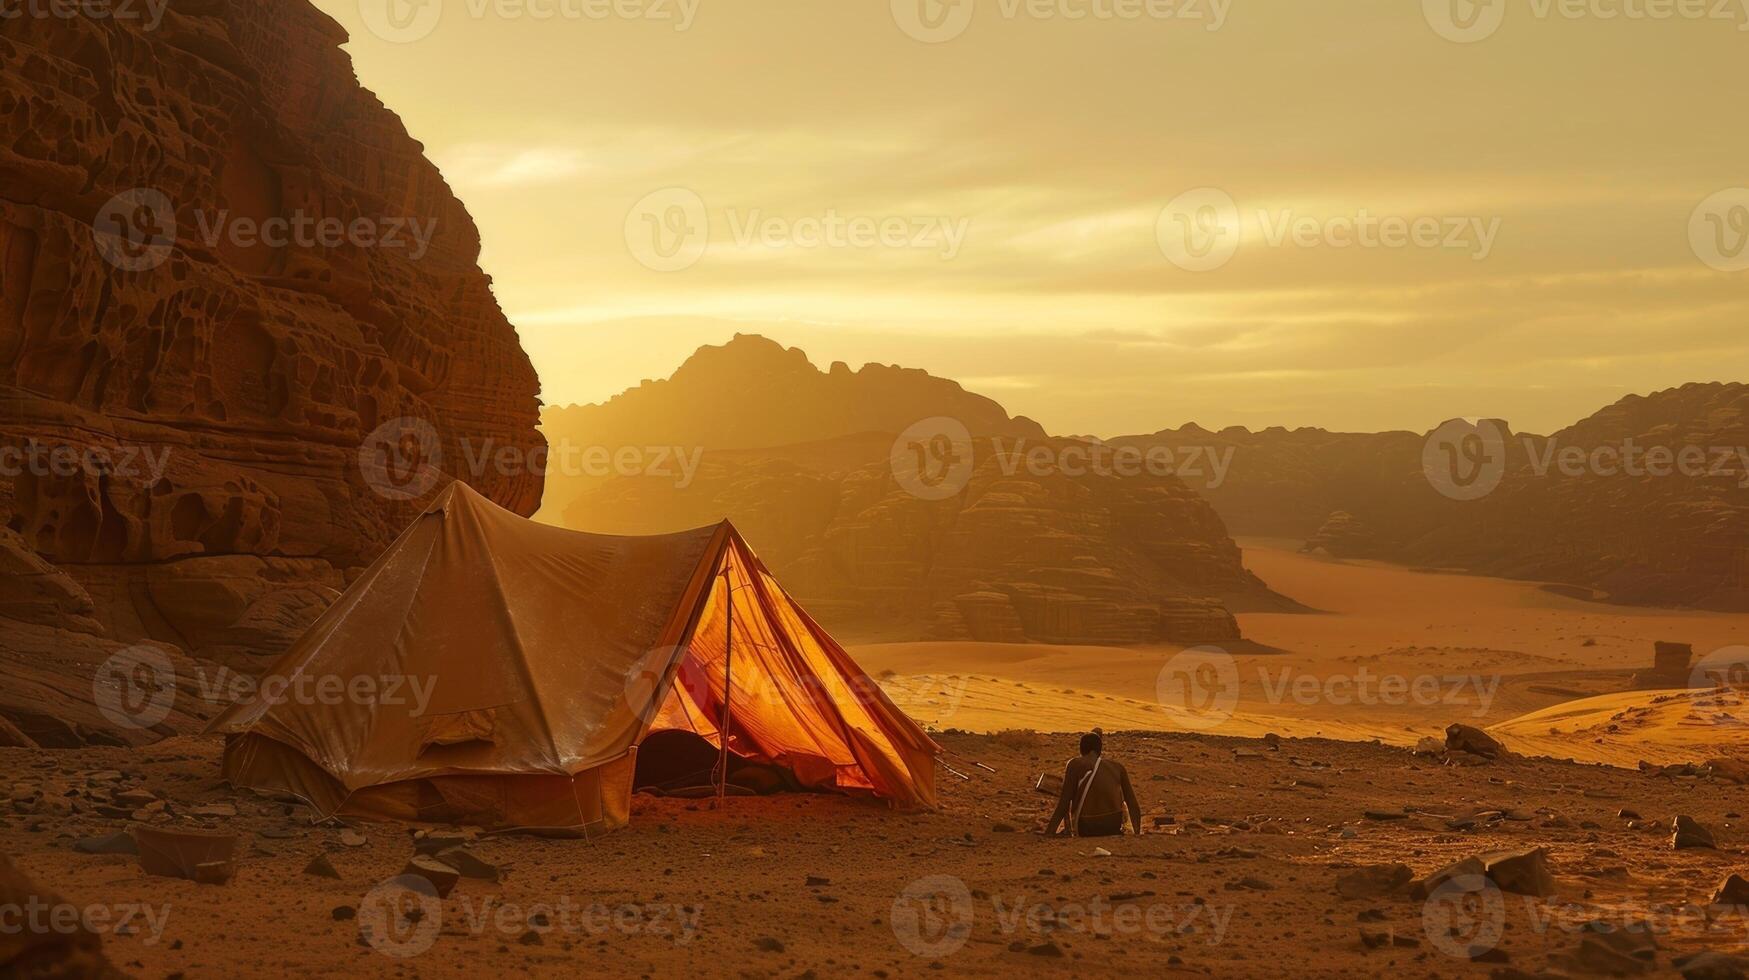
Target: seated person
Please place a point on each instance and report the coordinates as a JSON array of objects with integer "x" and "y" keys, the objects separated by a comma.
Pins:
[{"x": 1096, "y": 791}]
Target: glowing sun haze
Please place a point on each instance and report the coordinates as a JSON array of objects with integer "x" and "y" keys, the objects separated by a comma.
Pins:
[{"x": 1555, "y": 164}]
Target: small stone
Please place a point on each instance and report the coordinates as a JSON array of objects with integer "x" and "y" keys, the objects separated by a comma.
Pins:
[
  {"x": 768, "y": 944},
  {"x": 344, "y": 913},
  {"x": 321, "y": 867},
  {"x": 1686, "y": 832}
]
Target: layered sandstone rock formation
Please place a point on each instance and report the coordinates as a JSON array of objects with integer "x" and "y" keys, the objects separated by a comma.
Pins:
[
  {"x": 182, "y": 407},
  {"x": 1606, "y": 504},
  {"x": 1010, "y": 550}
]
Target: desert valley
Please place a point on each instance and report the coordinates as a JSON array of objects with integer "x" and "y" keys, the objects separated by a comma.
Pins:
[{"x": 770, "y": 665}]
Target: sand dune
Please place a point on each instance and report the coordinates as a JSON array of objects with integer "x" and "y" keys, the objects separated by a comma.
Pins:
[{"x": 1393, "y": 654}]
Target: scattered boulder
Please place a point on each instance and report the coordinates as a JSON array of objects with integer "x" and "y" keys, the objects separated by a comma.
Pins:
[
  {"x": 1734, "y": 890},
  {"x": 1428, "y": 745},
  {"x": 1374, "y": 880},
  {"x": 1615, "y": 950},
  {"x": 1380, "y": 938},
  {"x": 442, "y": 877},
  {"x": 208, "y": 857},
  {"x": 1521, "y": 872},
  {"x": 1518, "y": 872},
  {"x": 1470, "y": 739},
  {"x": 121, "y": 843},
  {"x": 321, "y": 867},
  {"x": 1713, "y": 966},
  {"x": 1729, "y": 770},
  {"x": 1670, "y": 667},
  {"x": 469, "y": 866},
  {"x": 1687, "y": 832}
]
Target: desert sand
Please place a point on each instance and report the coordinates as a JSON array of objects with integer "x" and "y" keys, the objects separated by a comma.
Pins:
[{"x": 1484, "y": 651}]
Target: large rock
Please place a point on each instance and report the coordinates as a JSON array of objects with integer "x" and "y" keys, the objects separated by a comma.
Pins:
[
  {"x": 1517, "y": 872},
  {"x": 1687, "y": 832},
  {"x": 1469, "y": 738},
  {"x": 193, "y": 407}
]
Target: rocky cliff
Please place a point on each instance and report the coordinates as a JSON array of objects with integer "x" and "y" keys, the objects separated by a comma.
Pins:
[
  {"x": 1022, "y": 537},
  {"x": 1645, "y": 502},
  {"x": 227, "y": 275}
]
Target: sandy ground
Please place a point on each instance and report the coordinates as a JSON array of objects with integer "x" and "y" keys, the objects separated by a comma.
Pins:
[
  {"x": 1393, "y": 653},
  {"x": 1240, "y": 883}
]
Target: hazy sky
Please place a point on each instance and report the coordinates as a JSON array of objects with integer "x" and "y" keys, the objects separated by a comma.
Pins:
[{"x": 1045, "y": 206}]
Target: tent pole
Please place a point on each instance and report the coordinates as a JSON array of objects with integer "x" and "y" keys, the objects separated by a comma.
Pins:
[{"x": 728, "y": 676}]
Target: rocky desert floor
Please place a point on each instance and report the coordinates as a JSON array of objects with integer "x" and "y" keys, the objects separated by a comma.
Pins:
[
  {"x": 1286, "y": 837},
  {"x": 1264, "y": 859}
]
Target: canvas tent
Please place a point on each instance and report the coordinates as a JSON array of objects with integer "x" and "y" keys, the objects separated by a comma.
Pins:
[{"x": 495, "y": 671}]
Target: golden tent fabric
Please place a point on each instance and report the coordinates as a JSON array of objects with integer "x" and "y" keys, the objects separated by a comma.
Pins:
[{"x": 514, "y": 668}]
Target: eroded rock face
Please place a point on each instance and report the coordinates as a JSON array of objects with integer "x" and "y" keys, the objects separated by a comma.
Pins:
[
  {"x": 1007, "y": 551},
  {"x": 184, "y": 394},
  {"x": 1607, "y": 504}
]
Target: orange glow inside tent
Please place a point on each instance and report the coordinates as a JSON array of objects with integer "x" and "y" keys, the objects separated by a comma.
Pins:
[{"x": 494, "y": 671}]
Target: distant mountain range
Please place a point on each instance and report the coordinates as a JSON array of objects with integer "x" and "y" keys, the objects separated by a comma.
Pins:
[
  {"x": 812, "y": 468},
  {"x": 1645, "y": 502},
  {"x": 808, "y": 463}
]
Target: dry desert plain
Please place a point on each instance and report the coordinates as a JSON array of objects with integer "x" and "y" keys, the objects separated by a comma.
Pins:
[{"x": 1266, "y": 858}]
